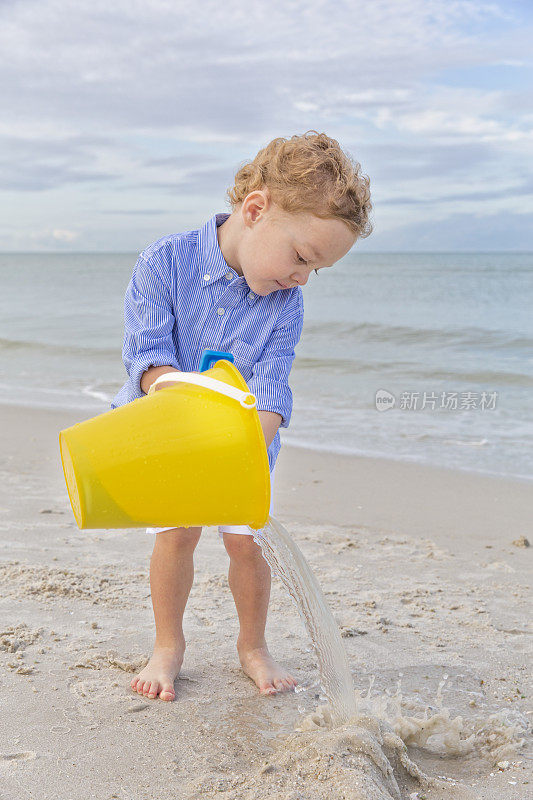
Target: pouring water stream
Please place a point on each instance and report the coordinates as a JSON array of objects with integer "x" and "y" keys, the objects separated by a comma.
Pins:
[{"x": 288, "y": 563}]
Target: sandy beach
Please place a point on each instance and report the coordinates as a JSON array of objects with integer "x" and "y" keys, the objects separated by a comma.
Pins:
[{"x": 426, "y": 572}]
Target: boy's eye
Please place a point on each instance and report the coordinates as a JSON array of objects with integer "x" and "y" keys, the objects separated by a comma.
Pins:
[{"x": 300, "y": 259}]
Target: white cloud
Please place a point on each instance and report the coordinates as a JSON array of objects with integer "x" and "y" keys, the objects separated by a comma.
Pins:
[{"x": 64, "y": 236}]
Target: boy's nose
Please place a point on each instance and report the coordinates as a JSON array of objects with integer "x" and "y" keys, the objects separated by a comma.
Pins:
[{"x": 299, "y": 278}]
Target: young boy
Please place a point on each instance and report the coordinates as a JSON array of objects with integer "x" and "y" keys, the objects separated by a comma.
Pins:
[{"x": 235, "y": 285}]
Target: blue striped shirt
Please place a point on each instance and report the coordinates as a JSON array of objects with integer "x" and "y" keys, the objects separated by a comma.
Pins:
[{"x": 183, "y": 298}]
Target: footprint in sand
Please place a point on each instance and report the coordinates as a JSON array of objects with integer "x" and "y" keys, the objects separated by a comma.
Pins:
[{"x": 29, "y": 755}]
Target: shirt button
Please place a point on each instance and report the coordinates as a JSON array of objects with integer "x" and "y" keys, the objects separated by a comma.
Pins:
[
  {"x": 228, "y": 276},
  {"x": 251, "y": 294},
  {"x": 220, "y": 311},
  {"x": 206, "y": 277}
]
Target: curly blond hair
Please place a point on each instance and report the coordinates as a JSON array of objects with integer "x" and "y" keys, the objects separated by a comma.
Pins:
[{"x": 312, "y": 174}]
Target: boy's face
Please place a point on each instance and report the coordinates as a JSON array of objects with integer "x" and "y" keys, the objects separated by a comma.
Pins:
[{"x": 278, "y": 250}]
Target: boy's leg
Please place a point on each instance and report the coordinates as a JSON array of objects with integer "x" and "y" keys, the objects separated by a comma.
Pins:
[
  {"x": 171, "y": 578},
  {"x": 249, "y": 580}
]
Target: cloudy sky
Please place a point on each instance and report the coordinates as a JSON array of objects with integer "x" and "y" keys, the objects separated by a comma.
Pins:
[{"x": 125, "y": 121}]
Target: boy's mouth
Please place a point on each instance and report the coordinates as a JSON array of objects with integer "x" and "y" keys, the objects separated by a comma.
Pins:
[{"x": 282, "y": 286}]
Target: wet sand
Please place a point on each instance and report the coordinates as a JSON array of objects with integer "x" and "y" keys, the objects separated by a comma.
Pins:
[{"x": 424, "y": 569}]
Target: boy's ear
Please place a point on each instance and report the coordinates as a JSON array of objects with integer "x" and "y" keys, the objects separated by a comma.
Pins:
[{"x": 255, "y": 204}]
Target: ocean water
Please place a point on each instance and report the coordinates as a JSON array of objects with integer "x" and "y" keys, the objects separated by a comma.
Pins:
[{"x": 445, "y": 340}]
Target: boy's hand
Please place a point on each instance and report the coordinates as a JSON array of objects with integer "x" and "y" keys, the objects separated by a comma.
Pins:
[
  {"x": 151, "y": 374},
  {"x": 166, "y": 384}
]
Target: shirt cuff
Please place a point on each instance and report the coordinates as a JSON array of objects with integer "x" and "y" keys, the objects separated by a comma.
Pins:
[
  {"x": 273, "y": 396},
  {"x": 149, "y": 359}
]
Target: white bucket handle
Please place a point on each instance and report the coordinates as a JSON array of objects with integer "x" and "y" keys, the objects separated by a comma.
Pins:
[{"x": 246, "y": 399}]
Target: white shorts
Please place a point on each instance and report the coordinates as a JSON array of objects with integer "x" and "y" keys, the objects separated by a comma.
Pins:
[{"x": 245, "y": 530}]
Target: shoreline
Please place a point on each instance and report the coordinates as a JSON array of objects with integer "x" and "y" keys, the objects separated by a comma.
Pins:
[
  {"x": 81, "y": 413},
  {"x": 363, "y": 492},
  {"x": 410, "y": 460},
  {"x": 63, "y": 417}
]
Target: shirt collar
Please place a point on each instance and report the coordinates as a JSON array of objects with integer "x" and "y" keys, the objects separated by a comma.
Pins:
[{"x": 211, "y": 263}]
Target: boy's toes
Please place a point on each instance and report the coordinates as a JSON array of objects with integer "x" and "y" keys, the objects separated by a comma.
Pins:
[
  {"x": 151, "y": 689},
  {"x": 268, "y": 689},
  {"x": 133, "y": 682},
  {"x": 167, "y": 692}
]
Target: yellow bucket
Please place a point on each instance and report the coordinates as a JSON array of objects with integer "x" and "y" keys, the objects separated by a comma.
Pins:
[{"x": 192, "y": 454}]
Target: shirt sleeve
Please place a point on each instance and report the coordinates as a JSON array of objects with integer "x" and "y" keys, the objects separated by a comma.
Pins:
[
  {"x": 269, "y": 382},
  {"x": 148, "y": 324}
]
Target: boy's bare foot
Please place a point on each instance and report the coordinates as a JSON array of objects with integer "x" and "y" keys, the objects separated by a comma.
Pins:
[
  {"x": 269, "y": 676},
  {"x": 157, "y": 677}
]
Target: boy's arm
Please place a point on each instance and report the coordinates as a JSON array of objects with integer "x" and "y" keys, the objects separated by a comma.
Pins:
[
  {"x": 148, "y": 324},
  {"x": 270, "y": 423},
  {"x": 270, "y": 376}
]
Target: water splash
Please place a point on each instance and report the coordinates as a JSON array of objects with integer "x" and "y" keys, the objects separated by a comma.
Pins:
[{"x": 364, "y": 738}]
